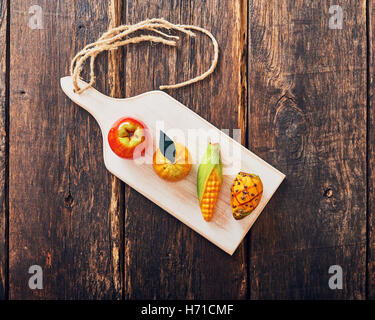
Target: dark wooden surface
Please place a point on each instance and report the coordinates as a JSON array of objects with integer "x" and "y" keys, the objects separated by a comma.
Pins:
[
  {"x": 63, "y": 203},
  {"x": 3, "y": 151},
  {"x": 371, "y": 152},
  {"x": 301, "y": 94},
  {"x": 307, "y": 116}
]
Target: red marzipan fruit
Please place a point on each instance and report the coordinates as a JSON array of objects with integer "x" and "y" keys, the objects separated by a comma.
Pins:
[{"x": 128, "y": 138}]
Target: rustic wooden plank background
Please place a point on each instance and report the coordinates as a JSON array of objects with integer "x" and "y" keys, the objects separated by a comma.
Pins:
[
  {"x": 307, "y": 93},
  {"x": 301, "y": 94},
  {"x": 371, "y": 152},
  {"x": 3, "y": 151},
  {"x": 63, "y": 204}
]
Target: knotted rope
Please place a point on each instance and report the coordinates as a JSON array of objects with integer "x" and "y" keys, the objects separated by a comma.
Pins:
[{"x": 121, "y": 36}]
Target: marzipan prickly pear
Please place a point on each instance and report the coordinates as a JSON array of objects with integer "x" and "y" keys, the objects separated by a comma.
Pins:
[{"x": 246, "y": 193}]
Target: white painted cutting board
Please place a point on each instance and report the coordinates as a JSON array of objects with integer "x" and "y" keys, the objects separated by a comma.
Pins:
[{"x": 158, "y": 111}]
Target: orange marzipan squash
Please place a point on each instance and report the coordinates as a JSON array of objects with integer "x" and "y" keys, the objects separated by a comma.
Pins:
[{"x": 176, "y": 171}]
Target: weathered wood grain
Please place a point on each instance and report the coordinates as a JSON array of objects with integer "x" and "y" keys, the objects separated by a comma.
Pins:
[
  {"x": 307, "y": 116},
  {"x": 64, "y": 205},
  {"x": 116, "y": 87},
  {"x": 3, "y": 155},
  {"x": 371, "y": 153},
  {"x": 163, "y": 258}
]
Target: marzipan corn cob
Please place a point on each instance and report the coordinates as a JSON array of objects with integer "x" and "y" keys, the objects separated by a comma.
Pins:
[{"x": 210, "y": 179}]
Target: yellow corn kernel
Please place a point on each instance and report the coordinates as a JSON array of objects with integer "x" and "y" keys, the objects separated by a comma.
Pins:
[{"x": 210, "y": 196}]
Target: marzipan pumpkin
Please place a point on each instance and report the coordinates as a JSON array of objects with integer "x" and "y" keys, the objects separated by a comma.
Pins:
[
  {"x": 177, "y": 170},
  {"x": 246, "y": 192}
]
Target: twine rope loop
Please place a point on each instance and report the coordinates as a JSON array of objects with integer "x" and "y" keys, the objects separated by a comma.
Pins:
[{"x": 124, "y": 35}]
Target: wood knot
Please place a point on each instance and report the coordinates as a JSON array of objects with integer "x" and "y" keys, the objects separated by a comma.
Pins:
[
  {"x": 328, "y": 193},
  {"x": 68, "y": 201},
  {"x": 290, "y": 127},
  {"x": 332, "y": 201}
]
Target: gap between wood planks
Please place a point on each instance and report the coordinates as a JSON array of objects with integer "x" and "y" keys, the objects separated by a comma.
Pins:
[
  {"x": 368, "y": 173},
  {"x": 243, "y": 110},
  {"x": 6, "y": 183},
  {"x": 116, "y": 73}
]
